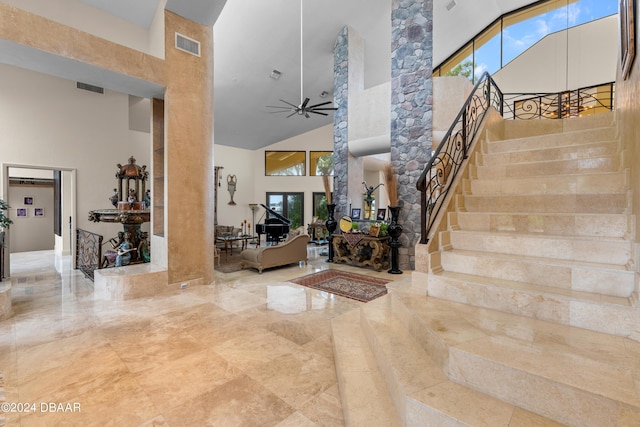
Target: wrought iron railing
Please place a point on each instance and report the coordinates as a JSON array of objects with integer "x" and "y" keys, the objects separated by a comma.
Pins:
[
  {"x": 88, "y": 252},
  {"x": 436, "y": 180},
  {"x": 570, "y": 103}
]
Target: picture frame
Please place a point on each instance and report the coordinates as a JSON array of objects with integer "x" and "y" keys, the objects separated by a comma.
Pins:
[
  {"x": 627, "y": 36},
  {"x": 374, "y": 230},
  {"x": 355, "y": 213},
  {"x": 382, "y": 213},
  {"x": 38, "y": 212},
  {"x": 28, "y": 200},
  {"x": 21, "y": 212}
]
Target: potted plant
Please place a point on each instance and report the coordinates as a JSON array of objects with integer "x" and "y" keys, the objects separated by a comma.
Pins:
[{"x": 5, "y": 221}]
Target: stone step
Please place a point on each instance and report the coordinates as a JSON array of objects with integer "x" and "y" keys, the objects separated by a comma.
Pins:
[
  {"x": 420, "y": 388},
  {"x": 610, "y": 182},
  {"x": 364, "y": 396},
  {"x": 614, "y": 203},
  {"x": 570, "y": 375},
  {"x": 563, "y": 275},
  {"x": 522, "y": 128},
  {"x": 595, "y": 225},
  {"x": 596, "y": 312},
  {"x": 571, "y": 248},
  {"x": 571, "y": 152},
  {"x": 556, "y": 140},
  {"x": 610, "y": 163}
]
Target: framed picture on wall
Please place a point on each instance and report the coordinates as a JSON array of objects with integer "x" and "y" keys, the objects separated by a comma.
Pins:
[
  {"x": 355, "y": 213},
  {"x": 28, "y": 200},
  {"x": 381, "y": 214},
  {"x": 21, "y": 212},
  {"x": 38, "y": 211},
  {"x": 627, "y": 36}
]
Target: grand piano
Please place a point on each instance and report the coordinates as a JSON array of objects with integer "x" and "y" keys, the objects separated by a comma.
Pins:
[{"x": 275, "y": 226}]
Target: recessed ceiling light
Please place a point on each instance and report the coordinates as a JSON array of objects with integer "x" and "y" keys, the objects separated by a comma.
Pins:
[
  {"x": 275, "y": 74},
  {"x": 324, "y": 94},
  {"x": 451, "y": 4}
]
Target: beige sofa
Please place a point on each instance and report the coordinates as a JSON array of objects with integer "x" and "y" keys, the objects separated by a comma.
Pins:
[{"x": 293, "y": 250}]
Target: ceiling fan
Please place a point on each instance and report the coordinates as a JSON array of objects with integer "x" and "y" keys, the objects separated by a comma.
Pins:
[{"x": 302, "y": 109}]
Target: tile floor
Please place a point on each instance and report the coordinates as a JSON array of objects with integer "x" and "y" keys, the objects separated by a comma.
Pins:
[{"x": 251, "y": 350}]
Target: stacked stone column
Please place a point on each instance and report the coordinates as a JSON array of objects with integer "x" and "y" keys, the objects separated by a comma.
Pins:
[{"x": 411, "y": 110}]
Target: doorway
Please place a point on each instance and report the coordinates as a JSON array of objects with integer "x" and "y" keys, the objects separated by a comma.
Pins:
[{"x": 43, "y": 203}]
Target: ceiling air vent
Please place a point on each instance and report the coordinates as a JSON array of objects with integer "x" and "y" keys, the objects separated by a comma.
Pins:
[
  {"x": 188, "y": 45},
  {"x": 90, "y": 88}
]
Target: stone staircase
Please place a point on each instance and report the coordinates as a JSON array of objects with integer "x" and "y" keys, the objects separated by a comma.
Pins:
[{"x": 531, "y": 297}]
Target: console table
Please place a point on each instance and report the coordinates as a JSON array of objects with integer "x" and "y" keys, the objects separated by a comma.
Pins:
[{"x": 361, "y": 250}]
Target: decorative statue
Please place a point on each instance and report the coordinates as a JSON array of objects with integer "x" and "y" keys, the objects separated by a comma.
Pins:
[
  {"x": 147, "y": 198},
  {"x": 124, "y": 256},
  {"x": 114, "y": 199},
  {"x": 369, "y": 190},
  {"x": 132, "y": 197},
  {"x": 231, "y": 186}
]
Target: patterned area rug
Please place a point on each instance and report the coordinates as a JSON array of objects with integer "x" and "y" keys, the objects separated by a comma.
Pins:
[{"x": 350, "y": 285}]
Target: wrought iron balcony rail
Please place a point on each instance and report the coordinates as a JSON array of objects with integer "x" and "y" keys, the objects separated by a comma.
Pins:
[
  {"x": 436, "y": 179},
  {"x": 561, "y": 105}
]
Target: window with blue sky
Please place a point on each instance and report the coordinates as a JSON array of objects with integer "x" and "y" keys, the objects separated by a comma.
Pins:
[{"x": 514, "y": 33}]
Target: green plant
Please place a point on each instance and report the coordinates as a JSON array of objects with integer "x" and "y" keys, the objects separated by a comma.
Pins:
[
  {"x": 383, "y": 229},
  {"x": 5, "y": 221},
  {"x": 354, "y": 226}
]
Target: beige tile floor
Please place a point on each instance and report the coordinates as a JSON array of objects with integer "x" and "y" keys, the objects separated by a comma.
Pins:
[{"x": 251, "y": 350}]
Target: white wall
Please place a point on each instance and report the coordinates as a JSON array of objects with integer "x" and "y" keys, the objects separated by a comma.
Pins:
[
  {"x": 252, "y": 186},
  {"x": 48, "y": 123}
]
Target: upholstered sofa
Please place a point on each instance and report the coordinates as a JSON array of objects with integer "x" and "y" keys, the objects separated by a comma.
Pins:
[{"x": 294, "y": 249}]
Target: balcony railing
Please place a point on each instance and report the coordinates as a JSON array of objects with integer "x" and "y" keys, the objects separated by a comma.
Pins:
[{"x": 561, "y": 105}]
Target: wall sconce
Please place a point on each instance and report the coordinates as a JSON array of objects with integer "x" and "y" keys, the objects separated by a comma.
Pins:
[{"x": 231, "y": 186}]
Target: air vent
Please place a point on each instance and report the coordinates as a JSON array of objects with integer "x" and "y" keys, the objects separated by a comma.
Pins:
[
  {"x": 188, "y": 45},
  {"x": 90, "y": 88}
]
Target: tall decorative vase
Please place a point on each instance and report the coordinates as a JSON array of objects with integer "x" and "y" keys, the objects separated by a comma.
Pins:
[
  {"x": 394, "y": 230},
  {"x": 331, "y": 225}
]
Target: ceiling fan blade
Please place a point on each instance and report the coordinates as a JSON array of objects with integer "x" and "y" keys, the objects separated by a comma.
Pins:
[
  {"x": 317, "y": 112},
  {"x": 325, "y": 109},
  {"x": 288, "y": 103},
  {"x": 306, "y": 114},
  {"x": 304, "y": 104},
  {"x": 278, "y": 106},
  {"x": 292, "y": 114},
  {"x": 321, "y": 104}
]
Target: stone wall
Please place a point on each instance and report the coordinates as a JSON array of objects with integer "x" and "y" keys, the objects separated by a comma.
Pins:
[{"x": 411, "y": 110}]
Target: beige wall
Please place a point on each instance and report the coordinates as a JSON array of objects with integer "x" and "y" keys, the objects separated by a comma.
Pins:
[
  {"x": 89, "y": 19},
  {"x": 628, "y": 116},
  {"x": 47, "y": 122},
  {"x": 31, "y": 233},
  {"x": 188, "y": 125}
]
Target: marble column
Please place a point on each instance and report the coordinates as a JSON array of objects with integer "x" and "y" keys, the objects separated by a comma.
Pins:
[{"x": 411, "y": 110}]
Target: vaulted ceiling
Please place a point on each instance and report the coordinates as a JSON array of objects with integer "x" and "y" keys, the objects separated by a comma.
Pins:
[{"x": 252, "y": 38}]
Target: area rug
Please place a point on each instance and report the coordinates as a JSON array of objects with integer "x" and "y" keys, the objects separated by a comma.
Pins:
[
  {"x": 229, "y": 263},
  {"x": 350, "y": 285}
]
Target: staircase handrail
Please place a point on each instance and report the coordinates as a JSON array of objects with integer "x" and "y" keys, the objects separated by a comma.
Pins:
[{"x": 446, "y": 162}]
